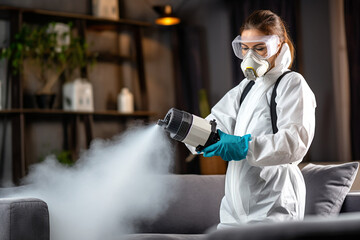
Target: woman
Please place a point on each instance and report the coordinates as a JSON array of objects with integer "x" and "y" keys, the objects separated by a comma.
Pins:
[{"x": 263, "y": 181}]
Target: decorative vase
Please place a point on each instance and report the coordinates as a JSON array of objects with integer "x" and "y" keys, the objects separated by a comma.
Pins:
[{"x": 45, "y": 101}]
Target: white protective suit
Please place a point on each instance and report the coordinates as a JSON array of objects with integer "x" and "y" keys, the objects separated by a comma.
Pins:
[{"x": 267, "y": 185}]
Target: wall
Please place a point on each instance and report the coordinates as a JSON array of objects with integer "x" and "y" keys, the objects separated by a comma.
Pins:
[
  {"x": 212, "y": 17},
  {"x": 315, "y": 20}
]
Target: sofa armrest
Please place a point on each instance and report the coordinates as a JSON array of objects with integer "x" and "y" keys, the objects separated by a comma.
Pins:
[
  {"x": 351, "y": 202},
  {"x": 24, "y": 219}
]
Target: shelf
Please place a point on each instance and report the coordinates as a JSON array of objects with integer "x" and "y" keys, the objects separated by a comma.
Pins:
[
  {"x": 112, "y": 58},
  {"x": 142, "y": 114},
  {"x": 31, "y": 14}
]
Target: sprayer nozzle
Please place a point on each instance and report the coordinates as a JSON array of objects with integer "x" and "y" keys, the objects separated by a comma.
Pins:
[
  {"x": 165, "y": 122},
  {"x": 161, "y": 123}
]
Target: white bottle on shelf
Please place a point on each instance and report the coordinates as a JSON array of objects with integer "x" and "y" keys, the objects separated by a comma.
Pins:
[{"x": 125, "y": 101}]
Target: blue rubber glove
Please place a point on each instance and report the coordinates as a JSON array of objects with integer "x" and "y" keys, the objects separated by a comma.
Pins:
[{"x": 229, "y": 147}]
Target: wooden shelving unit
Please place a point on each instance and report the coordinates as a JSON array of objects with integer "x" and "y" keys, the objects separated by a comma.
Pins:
[
  {"x": 19, "y": 116},
  {"x": 37, "y": 111}
]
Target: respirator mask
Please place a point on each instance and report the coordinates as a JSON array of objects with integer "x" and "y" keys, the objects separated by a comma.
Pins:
[{"x": 255, "y": 52}]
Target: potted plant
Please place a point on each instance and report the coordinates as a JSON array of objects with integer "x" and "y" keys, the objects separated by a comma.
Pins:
[
  {"x": 64, "y": 157},
  {"x": 52, "y": 49}
]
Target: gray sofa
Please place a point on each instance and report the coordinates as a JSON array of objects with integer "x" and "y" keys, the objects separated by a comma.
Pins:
[{"x": 195, "y": 211}]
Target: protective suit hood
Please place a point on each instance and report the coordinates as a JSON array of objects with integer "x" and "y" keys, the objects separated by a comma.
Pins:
[{"x": 282, "y": 62}]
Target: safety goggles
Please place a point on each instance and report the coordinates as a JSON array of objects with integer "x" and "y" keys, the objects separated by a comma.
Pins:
[{"x": 265, "y": 46}]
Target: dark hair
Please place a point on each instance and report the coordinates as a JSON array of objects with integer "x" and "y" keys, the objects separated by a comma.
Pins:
[{"x": 270, "y": 24}]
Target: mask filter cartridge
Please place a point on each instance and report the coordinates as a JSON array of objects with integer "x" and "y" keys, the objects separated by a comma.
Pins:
[{"x": 190, "y": 129}]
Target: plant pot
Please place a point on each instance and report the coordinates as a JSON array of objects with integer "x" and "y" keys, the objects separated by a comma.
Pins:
[{"x": 45, "y": 101}]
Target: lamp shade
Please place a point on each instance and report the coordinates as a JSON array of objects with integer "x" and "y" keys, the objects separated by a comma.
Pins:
[{"x": 166, "y": 16}]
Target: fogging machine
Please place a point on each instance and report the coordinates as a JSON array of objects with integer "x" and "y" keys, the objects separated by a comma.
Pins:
[{"x": 190, "y": 129}]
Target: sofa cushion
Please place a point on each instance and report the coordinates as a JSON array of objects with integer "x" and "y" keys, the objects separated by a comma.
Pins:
[
  {"x": 327, "y": 186},
  {"x": 193, "y": 209}
]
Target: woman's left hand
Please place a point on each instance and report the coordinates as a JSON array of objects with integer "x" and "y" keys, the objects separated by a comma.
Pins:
[{"x": 229, "y": 147}]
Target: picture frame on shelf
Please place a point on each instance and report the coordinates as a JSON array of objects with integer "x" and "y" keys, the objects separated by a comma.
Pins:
[{"x": 106, "y": 9}]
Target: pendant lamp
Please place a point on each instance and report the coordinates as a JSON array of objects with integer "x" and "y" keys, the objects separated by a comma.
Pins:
[{"x": 166, "y": 16}]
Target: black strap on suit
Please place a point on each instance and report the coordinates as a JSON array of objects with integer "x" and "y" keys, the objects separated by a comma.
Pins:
[{"x": 272, "y": 100}]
